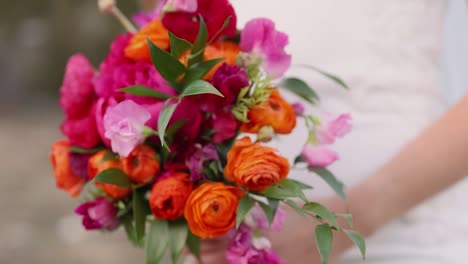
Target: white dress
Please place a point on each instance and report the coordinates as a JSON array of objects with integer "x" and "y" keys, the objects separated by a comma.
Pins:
[{"x": 388, "y": 53}]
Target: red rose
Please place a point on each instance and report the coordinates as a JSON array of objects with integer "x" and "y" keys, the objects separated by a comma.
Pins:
[{"x": 185, "y": 25}]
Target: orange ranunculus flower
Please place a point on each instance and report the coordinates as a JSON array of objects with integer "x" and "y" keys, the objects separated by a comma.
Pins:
[
  {"x": 226, "y": 50},
  {"x": 254, "y": 166},
  {"x": 275, "y": 112},
  {"x": 211, "y": 209},
  {"x": 169, "y": 195},
  {"x": 141, "y": 165},
  {"x": 138, "y": 49},
  {"x": 64, "y": 176},
  {"x": 96, "y": 164}
]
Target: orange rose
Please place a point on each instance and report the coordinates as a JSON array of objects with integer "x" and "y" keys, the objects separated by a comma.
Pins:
[
  {"x": 211, "y": 209},
  {"x": 275, "y": 112},
  {"x": 96, "y": 164},
  {"x": 64, "y": 176},
  {"x": 254, "y": 166},
  {"x": 141, "y": 165},
  {"x": 138, "y": 49},
  {"x": 169, "y": 195}
]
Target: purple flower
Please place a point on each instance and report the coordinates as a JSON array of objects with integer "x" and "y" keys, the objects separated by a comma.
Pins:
[
  {"x": 319, "y": 156},
  {"x": 98, "y": 214},
  {"x": 333, "y": 128},
  {"x": 77, "y": 91},
  {"x": 240, "y": 242},
  {"x": 124, "y": 125},
  {"x": 229, "y": 80},
  {"x": 261, "y": 38},
  {"x": 196, "y": 161},
  {"x": 298, "y": 108},
  {"x": 79, "y": 165},
  {"x": 256, "y": 218}
]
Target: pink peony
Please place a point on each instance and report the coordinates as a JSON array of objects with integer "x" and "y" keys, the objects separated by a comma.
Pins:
[
  {"x": 77, "y": 91},
  {"x": 261, "y": 38},
  {"x": 334, "y": 128},
  {"x": 118, "y": 72},
  {"x": 98, "y": 214},
  {"x": 319, "y": 156},
  {"x": 82, "y": 131},
  {"x": 124, "y": 125},
  {"x": 225, "y": 126},
  {"x": 185, "y": 24},
  {"x": 196, "y": 161}
]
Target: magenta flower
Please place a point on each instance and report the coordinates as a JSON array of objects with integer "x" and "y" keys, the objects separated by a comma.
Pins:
[
  {"x": 124, "y": 125},
  {"x": 256, "y": 218},
  {"x": 261, "y": 38},
  {"x": 98, "y": 214},
  {"x": 196, "y": 161},
  {"x": 224, "y": 125},
  {"x": 77, "y": 91},
  {"x": 334, "y": 128},
  {"x": 101, "y": 108},
  {"x": 82, "y": 131},
  {"x": 118, "y": 72},
  {"x": 319, "y": 156},
  {"x": 240, "y": 242}
]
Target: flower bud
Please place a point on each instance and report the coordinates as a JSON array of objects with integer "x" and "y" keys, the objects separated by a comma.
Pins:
[
  {"x": 106, "y": 6},
  {"x": 265, "y": 134}
]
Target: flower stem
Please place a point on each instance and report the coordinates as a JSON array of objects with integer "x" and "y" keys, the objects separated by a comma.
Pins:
[{"x": 126, "y": 23}]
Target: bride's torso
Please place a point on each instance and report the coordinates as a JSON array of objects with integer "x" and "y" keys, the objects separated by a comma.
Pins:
[{"x": 388, "y": 53}]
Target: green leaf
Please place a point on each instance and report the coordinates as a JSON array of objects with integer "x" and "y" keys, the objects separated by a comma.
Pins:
[
  {"x": 127, "y": 222},
  {"x": 294, "y": 206},
  {"x": 141, "y": 90},
  {"x": 302, "y": 185},
  {"x": 269, "y": 213},
  {"x": 225, "y": 24},
  {"x": 164, "y": 118},
  {"x": 156, "y": 241},
  {"x": 193, "y": 243},
  {"x": 200, "y": 87},
  {"x": 299, "y": 159},
  {"x": 245, "y": 204},
  {"x": 328, "y": 75},
  {"x": 200, "y": 43},
  {"x": 358, "y": 241},
  {"x": 178, "y": 232},
  {"x": 277, "y": 193},
  {"x": 109, "y": 155},
  {"x": 324, "y": 240},
  {"x": 347, "y": 217},
  {"x": 113, "y": 176},
  {"x": 300, "y": 88},
  {"x": 321, "y": 211},
  {"x": 139, "y": 214},
  {"x": 273, "y": 203},
  {"x": 178, "y": 46},
  {"x": 80, "y": 150},
  {"x": 199, "y": 70},
  {"x": 167, "y": 65},
  {"x": 331, "y": 180},
  {"x": 292, "y": 187},
  {"x": 170, "y": 131}
]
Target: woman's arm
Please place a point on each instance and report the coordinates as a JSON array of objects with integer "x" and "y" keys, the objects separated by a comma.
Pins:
[{"x": 435, "y": 160}]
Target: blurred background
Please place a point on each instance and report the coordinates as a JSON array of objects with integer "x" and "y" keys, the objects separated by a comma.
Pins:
[{"x": 37, "y": 224}]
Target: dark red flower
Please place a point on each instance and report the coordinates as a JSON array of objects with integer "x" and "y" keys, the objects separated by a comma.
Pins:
[{"x": 185, "y": 25}]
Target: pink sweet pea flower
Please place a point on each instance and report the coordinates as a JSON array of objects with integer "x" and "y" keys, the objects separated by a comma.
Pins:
[
  {"x": 124, "y": 125},
  {"x": 319, "y": 156},
  {"x": 256, "y": 218},
  {"x": 299, "y": 108},
  {"x": 261, "y": 38},
  {"x": 334, "y": 128},
  {"x": 98, "y": 214}
]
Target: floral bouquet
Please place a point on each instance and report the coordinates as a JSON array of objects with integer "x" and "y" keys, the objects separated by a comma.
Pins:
[{"x": 167, "y": 138}]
